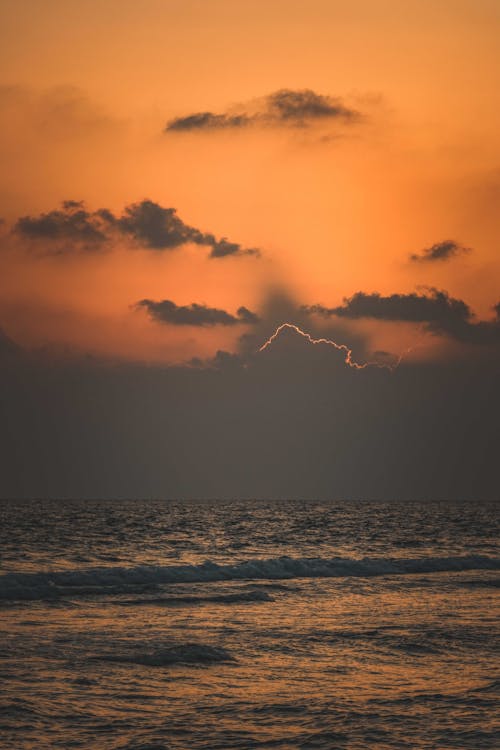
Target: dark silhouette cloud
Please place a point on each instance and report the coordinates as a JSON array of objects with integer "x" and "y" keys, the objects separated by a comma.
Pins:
[
  {"x": 8, "y": 347},
  {"x": 166, "y": 311},
  {"x": 300, "y": 106},
  {"x": 278, "y": 306},
  {"x": 440, "y": 314},
  {"x": 209, "y": 121},
  {"x": 71, "y": 223},
  {"x": 293, "y": 421},
  {"x": 247, "y": 316},
  {"x": 222, "y": 248},
  {"x": 284, "y": 107},
  {"x": 222, "y": 360},
  {"x": 429, "y": 308},
  {"x": 160, "y": 228},
  {"x": 440, "y": 251},
  {"x": 146, "y": 223}
]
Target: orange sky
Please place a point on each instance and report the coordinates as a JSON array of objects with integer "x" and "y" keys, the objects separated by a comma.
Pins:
[{"x": 87, "y": 88}]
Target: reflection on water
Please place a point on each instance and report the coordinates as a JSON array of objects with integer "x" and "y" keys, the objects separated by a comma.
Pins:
[{"x": 371, "y": 659}]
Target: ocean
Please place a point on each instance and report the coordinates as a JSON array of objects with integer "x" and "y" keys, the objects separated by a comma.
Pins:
[{"x": 164, "y": 625}]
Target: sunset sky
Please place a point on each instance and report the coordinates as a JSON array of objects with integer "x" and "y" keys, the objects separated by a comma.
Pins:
[{"x": 179, "y": 178}]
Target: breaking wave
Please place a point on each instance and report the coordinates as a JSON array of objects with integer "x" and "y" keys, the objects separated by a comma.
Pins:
[{"x": 46, "y": 585}]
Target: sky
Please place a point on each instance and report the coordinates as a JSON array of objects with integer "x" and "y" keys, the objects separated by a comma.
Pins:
[{"x": 180, "y": 180}]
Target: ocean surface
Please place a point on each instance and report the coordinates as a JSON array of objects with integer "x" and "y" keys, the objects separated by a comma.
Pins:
[{"x": 161, "y": 625}]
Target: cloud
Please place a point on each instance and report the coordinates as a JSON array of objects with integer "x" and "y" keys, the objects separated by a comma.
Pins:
[
  {"x": 8, "y": 347},
  {"x": 146, "y": 223},
  {"x": 70, "y": 223},
  {"x": 160, "y": 228},
  {"x": 208, "y": 121},
  {"x": 439, "y": 252},
  {"x": 166, "y": 311},
  {"x": 294, "y": 422},
  {"x": 436, "y": 305},
  {"x": 302, "y": 105},
  {"x": 440, "y": 314},
  {"x": 284, "y": 107},
  {"x": 222, "y": 360}
]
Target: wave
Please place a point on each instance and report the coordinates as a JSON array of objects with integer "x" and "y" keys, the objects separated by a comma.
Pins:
[
  {"x": 239, "y": 597},
  {"x": 47, "y": 585},
  {"x": 482, "y": 583},
  {"x": 185, "y": 654},
  {"x": 490, "y": 687}
]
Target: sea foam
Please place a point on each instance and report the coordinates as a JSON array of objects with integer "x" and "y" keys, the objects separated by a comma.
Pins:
[{"x": 105, "y": 580}]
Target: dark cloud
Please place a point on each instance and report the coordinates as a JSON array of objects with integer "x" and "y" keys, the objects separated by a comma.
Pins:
[
  {"x": 278, "y": 306},
  {"x": 284, "y": 107},
  {"x": 293, "y": 421},
  {"x": 298, "y": 106},
  {"x": 208, "y": 121},
  {"x": 8, "y": 347},
  {"x": 222, "y": 360},
  {"x": 247, "y": 316},
  {"x": 222, "y": 248},
  {"x": 440, "y": 251},
  {"x": 146, "y": 223},
  {"x": 166, "y": 311},
  {"x": 159, "y": 228},
  {"x": 429, "y": 308},
  {"x": 71, "y": 223},
  {"x": 440, "y": 314}
]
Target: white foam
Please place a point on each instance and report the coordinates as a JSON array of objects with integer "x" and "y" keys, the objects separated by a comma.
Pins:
[{"x": 115, "y": 579}]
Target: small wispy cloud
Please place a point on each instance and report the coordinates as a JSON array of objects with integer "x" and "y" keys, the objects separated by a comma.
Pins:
[
  {"x": 441, "y": 251},
  {"x": 285, "y": 107}
]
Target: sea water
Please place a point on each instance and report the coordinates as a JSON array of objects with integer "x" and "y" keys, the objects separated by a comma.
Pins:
[{"x": 155, "y": 625}]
